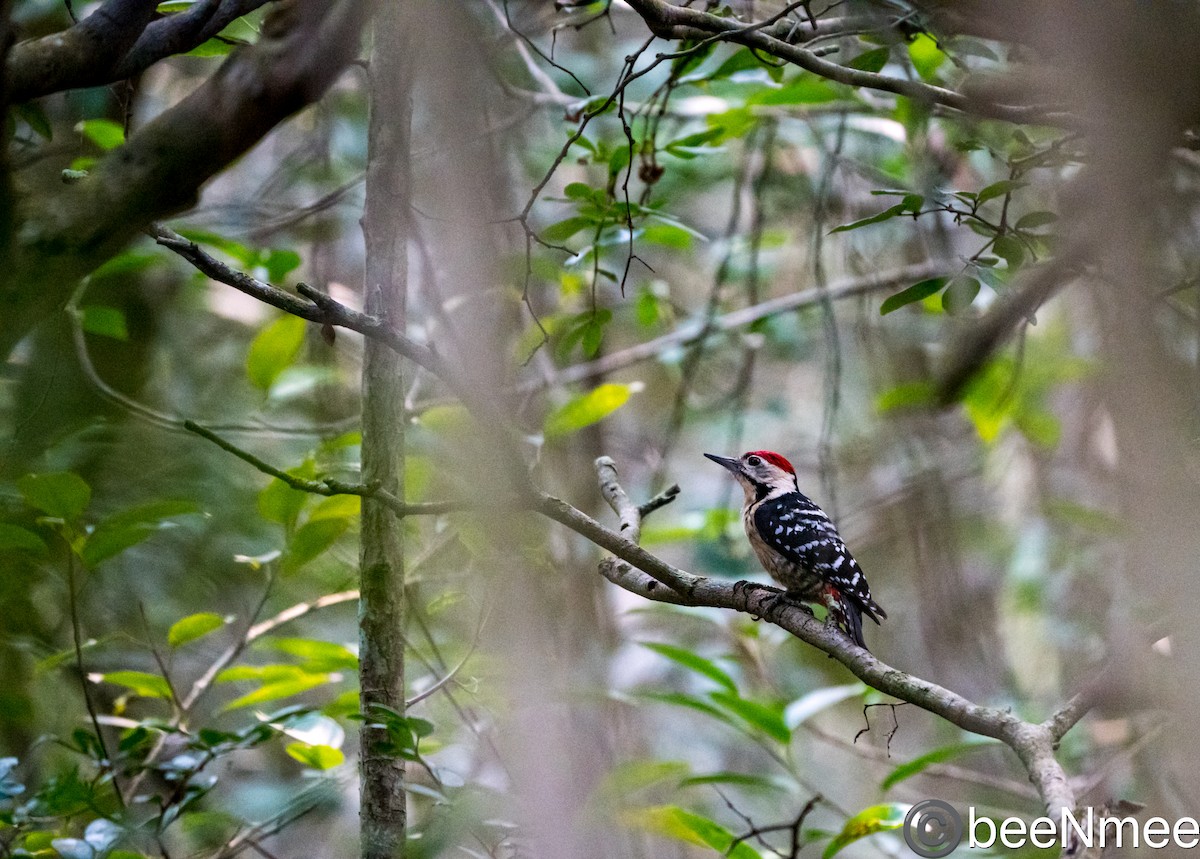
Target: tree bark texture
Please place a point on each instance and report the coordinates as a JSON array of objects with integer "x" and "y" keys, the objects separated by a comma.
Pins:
[{"x": 381, "y": 605}]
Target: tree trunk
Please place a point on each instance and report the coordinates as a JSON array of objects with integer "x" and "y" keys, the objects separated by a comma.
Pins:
[{"x": 381, "y": 606}]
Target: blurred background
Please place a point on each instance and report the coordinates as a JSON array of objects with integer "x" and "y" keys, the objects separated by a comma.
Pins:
[{"x": 972, "y": 326}]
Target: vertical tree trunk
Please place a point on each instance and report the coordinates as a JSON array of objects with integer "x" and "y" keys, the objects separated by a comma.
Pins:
[{"x": 381, "y": 606}]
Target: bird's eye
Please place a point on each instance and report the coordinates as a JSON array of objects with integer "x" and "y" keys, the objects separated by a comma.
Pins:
[{"x": 754, "y": 461}]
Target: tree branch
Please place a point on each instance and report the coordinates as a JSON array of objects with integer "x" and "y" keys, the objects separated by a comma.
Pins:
[
  {"x": 1034, "y": 744},
  {"x": 180, "y": 33},
  {"x": 81, "y": 56},
  {"x": 322, "y": 309},
  {"x": 696, "y": 330},
  {"x": 680, "y": 22},
  {"x": 160, "y": 170},
  {"x": 328, "y": 486}
]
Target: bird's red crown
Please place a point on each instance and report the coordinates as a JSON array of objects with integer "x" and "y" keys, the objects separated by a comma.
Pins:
[{"x": 775, "y": 459}]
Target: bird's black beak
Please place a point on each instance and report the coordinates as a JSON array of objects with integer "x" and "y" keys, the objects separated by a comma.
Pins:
[{"x": 728, "y": 462}]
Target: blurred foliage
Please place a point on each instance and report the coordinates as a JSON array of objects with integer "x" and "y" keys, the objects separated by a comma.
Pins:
[{"x": 150, "y": 707}]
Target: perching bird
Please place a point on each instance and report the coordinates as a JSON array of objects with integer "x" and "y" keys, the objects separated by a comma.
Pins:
[{"x": 797, "y": 543}]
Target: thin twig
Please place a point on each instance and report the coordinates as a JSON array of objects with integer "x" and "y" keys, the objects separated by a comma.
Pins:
[
  {"x": 688, "y": 333},
  {"x": 328, "y": 486},
  {"x": 255, "y": 632},
  {"x": 77, "y": 639}
]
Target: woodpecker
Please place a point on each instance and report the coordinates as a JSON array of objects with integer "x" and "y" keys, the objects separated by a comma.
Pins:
[{"x": 797, "y": 543}]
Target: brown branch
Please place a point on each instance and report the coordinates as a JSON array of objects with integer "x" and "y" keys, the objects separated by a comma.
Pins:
[
  {"x": 82, "y": 55},
  {"x": 1034, "y": 744},
  {"x": 255, "y": 632},
  {"x": 328, "y": 486},
  {"x": 951, "y": 772},
  {"x": 318, "y": 307},
  {"x": 322, "y": 309},
  {"x": 160, "y": 170},
  {"x": 850, "y": 287},
  {"x": 679, "y": 22}
]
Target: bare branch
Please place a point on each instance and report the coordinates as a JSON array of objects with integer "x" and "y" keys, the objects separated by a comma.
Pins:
[
  {"x": 694, "y": 331},
  {"x": 257, "y": 631},
  {"x": 1034, "y": 744},
  {"x": 83, "y": 55},
  {"x": 680, "y": 22},
  {"x": 328, "y": 486}
]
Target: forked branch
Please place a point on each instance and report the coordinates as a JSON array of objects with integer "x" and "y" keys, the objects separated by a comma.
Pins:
[{"x": 641, "y": 572}]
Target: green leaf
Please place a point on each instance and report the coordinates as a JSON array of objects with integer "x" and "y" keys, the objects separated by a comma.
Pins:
[
  {"x": 763, "y": 717},
  {"x": 920, "y": 764},
  {"x": 282, "y": 504},
  {"x": 877, "y": 818},
  {"x": 276, "y": 689},
  {"x": 1040, "y": 426},
  {"x": 60, "y": 494},
  {"x": 1033, "y": 220},
  {"x": 959, "y": 294},
  {"x": 245, "y": 255},
  {"x": 105, "y": 133},
  {"x": 907, "y": 395},
  {"x": 618, "y": 161},
  {"x": 894, "y": 211},
  {"x": 693, "y": 662},
  {"x": 586, "y": 409},
  {"x": 744, "y": 60},
  {"x": 692, "y": 145},
  {"x": 279, "y": 263},
  {"x": 274, "y": 349},
  {"x": 592, "y": 337},
  {"x": 193, "y": 627},
  {"x": 212, "y": 48},
  {"x": 14, "y": 538},
  {"x": 999, "y": 189},
  {"x": 316, "y": 757},
  {"x": 337, "y": 507},
  {"x": 130, "y": 527},
  {"x": 671, "y": 821},
  {"x": 871, "y": 61},
  {"x": 128, "y": 263},
  {"x": 740, "y": 779},
  {"x": 564, "y": 229},
  {"x": 140, "y": 683},
  {"x": 667, "y": 235},
  {"x": 805, "y": 88},
  {"x": 311, "y": 540},
  {"x": 646, "y": 308},
  {"x": 925, "y": 55},
  {"x": 318, "y": 656},
  {"x": 909, "y": 295},
  {"x": 698, "y": 139},
  {"x": 578, "y": 191},
  {"x": 678, "y": 699},
  {"x": 104, "y": 321},
  {"x": 1011, "y": 249}
]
